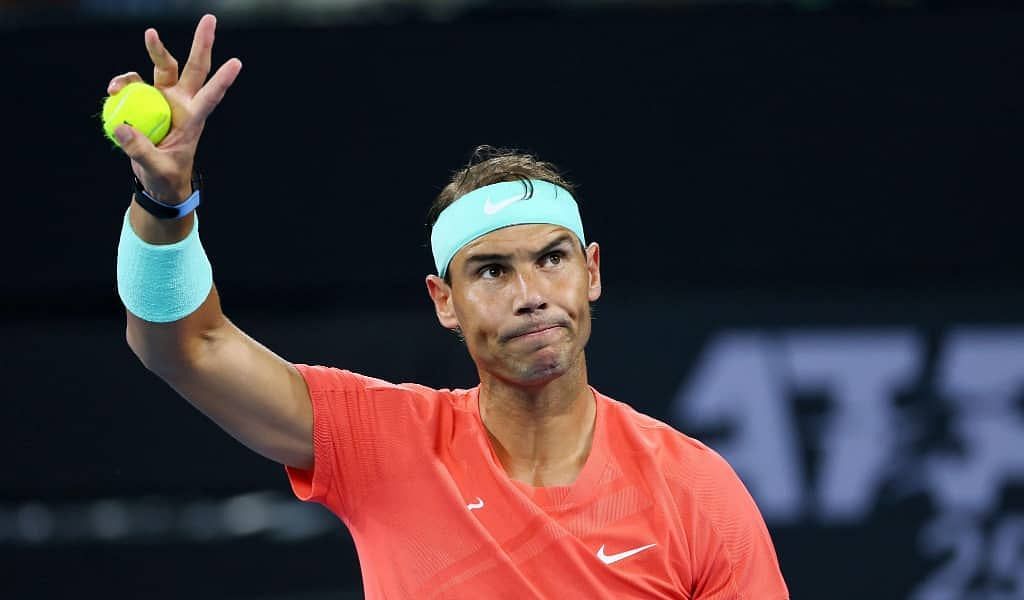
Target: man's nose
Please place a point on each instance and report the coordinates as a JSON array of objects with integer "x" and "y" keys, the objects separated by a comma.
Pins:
[{"x": 529, "y": 295}]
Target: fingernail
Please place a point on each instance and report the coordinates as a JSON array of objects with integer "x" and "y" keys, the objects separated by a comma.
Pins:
[{"x": 124, "y": 134}]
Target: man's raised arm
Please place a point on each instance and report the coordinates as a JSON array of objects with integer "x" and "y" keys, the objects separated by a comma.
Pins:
[{"x": 253, "y": 394}]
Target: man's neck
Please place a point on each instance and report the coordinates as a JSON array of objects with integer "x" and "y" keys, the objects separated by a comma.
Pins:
[{"x": 541, "y": 435}]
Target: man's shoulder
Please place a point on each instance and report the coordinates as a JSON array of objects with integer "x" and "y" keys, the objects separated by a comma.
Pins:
[
  {"x": 626, "y": 419},
  {"x": 716, "y": 510},
  {"x": 679, "y": 456},
  {"x": 321, "y": 378}
]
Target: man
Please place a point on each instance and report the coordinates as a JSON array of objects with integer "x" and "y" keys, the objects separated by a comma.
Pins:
[{"x": 532, "y": 484}]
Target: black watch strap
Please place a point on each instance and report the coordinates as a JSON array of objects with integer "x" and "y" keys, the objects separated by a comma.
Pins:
[{"x": 168, "y": 211}]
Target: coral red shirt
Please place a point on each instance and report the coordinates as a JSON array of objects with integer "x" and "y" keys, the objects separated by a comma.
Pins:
[{"x": 411, "y": 472}]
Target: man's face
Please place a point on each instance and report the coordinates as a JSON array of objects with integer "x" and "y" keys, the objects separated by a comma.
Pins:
[{"x": 521, "y": 296}]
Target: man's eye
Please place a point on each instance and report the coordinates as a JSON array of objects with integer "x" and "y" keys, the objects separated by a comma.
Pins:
[
  {"x": 490, "y": 272},
  {"x": 555, "y": 258}
]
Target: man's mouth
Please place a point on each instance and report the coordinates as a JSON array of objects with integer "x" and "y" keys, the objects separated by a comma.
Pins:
[{"x": 536, "y": 332}]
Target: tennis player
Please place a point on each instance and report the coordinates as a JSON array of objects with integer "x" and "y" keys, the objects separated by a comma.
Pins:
[{"x": 532, "y": 484}]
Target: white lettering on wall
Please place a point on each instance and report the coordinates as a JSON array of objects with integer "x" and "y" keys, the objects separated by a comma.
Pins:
[
  {"x": 981, "y": 374},
  {"x": 744, "y": 385},
  {"x": 861, "y": 373}
]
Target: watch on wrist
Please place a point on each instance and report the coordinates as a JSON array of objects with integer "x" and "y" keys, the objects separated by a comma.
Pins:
[{"x": 168, "y": 211}]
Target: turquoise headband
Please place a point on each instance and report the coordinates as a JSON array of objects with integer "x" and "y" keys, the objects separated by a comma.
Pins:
[{"x": 500, "y": 205}]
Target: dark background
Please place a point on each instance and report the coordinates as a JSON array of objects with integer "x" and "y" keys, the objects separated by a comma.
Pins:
[{"x": 847, "y": 169}]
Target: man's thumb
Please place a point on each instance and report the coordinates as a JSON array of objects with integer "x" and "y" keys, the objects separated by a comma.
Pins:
[
  {"x": 124, "y": 134},
  {"x": 134, "y": 144}
]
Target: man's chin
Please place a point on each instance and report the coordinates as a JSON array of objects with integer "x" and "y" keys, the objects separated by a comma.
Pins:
[{"x": 539, "y": 370}]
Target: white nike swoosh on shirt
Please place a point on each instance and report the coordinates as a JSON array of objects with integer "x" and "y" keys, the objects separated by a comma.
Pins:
[
  {"x": 609, "y": 559},
  {"x": 478, "y": 504},
  {"x": 491, "y": 208}
]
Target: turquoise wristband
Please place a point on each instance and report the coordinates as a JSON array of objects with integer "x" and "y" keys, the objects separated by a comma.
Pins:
[{"x": 162, "y": 282}]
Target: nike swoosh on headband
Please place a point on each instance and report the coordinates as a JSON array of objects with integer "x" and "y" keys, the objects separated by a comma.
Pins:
[{"x": 491, "y": 208}]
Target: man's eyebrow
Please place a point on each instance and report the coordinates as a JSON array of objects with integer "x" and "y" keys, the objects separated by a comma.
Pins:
[{"x": 485, "y": 258}]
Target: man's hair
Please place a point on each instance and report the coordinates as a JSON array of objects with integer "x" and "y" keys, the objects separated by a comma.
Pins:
[{"x": 489, "y": 165}]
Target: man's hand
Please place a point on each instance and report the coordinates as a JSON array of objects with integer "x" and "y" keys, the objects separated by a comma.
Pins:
[{"x": 166, "y": 169}]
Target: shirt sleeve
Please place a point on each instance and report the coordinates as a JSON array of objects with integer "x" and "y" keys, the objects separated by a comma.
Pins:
[
  {"x": 365, "y": 431},
  {"x": 735, "y": 554}
]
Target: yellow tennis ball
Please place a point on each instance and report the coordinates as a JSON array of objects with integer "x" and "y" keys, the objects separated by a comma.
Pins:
[{"x": 140, "y": 105}]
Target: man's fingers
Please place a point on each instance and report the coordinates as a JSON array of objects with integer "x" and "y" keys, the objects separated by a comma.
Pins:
[
  {"x": 165, "y": 68},
  {"x": 198, "y": 65},
  {"x": 120, "y": 81},
  {"x": 213, "y": 92}
]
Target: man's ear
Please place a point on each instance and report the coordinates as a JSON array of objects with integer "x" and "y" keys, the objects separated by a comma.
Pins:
[
  {"x": 441, "y": 294},
  {"x": 594, "y": 271}
]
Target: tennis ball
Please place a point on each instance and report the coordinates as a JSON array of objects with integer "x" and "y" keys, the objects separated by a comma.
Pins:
[{"x": 140, "y": 105}]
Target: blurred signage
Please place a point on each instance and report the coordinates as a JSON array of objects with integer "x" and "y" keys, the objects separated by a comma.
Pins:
[{"x": 824, "y": 425}]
